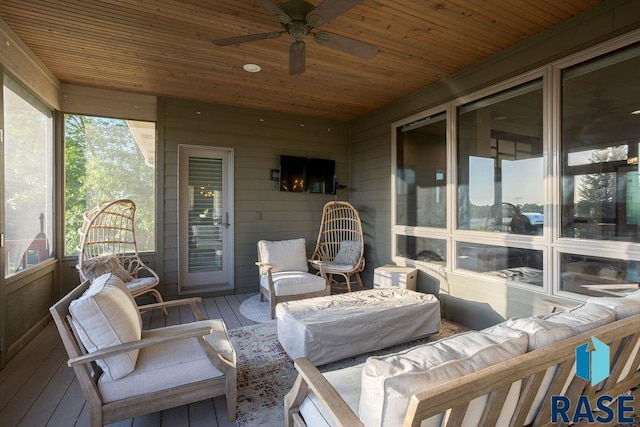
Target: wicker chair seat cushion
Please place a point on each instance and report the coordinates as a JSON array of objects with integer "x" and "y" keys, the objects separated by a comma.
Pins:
[
  {"x": 294, "y": 283},
  {"x": 333, "y": 266},
  {"x": 104, "y": 316},
  {"x": 168, "y": 365},
  {"x": 284, "y": 255},
  {"x": 140, "y": 283}
]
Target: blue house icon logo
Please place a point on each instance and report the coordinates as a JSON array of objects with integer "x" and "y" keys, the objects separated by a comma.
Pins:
[{"x": 593, "y": 363}]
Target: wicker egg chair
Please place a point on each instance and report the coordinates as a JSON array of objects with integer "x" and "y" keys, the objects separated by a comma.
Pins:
[
  {"x": 340, "y": 245},
  {"x": 108, "y": 245}
]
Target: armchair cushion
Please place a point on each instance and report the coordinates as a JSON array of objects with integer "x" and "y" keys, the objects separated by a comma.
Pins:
[
  {"x": 284, "y": 255},
  {"x": 349, "y": 253},
  {"x": 92, "y": 268},
  {"x": 388, "y": 382},
  {"x": 104, "y": 316},
  {"x": 169, "y": 365},
  {"x": 294, "y": 283}
]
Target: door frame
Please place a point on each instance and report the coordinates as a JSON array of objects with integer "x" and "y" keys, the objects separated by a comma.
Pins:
[{"x": 184, "y": 152}]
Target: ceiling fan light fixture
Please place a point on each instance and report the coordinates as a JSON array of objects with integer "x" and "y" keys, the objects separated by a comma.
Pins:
[{"x": 252, "y": 68}]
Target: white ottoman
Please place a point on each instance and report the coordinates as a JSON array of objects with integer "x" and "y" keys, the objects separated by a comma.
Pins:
[{"x": 326, "y": 329}]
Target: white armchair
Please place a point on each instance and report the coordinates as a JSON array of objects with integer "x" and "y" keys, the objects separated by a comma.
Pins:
[
  {"x": 284, "y": 273},
  {"x": 124, "y": 371}
]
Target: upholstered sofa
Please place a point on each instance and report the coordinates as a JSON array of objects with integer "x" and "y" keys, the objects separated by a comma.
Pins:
[{"x": 503, "y": 375}]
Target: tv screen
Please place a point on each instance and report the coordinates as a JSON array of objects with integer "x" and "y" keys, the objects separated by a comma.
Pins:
[{"x": 307, "y": 175}]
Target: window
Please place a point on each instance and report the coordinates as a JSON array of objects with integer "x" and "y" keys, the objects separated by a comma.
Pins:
[
  {"x": 421, "y": 185},
  {"x": 28, "y": 179},
  {"x": 109, "y": 159},
  {"x": 574, "y": 232},
  {"x": 600, "y": 139},
  {"x": 500, "y": 167}
]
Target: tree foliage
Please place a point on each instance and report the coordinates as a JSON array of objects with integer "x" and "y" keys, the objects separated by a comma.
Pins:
[{"x": 103, "y": 162}]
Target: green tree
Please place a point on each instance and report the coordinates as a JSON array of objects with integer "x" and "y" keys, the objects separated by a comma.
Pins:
[{"x": 597, "y": 191}]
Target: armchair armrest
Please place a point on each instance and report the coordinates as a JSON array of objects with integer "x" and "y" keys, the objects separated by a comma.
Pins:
[
  {"x": 310, "y": 378},
  {"x": 169, "y": 333}
]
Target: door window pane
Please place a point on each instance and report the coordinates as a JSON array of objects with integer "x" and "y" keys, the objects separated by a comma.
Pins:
[
  {"x": 109, "y": 159},
  {"x": 205, "y": 214},
  {"x": 500, "y": 163},
  {"x": 600, "y": 144},
  {"x": 28, "y": 179},
  {"x": 421, "y": 173}
]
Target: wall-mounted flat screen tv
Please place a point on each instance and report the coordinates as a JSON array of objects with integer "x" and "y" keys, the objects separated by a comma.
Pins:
[{"x": 307, "y": 175}]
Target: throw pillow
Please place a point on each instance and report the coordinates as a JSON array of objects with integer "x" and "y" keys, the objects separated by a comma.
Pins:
[
  {"x": 104, "y": 316},
  {"x": 92, "y": 268},
  {"x": 348, "y": 254}
]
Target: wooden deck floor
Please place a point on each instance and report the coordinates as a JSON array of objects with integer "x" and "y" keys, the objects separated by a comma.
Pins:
[{"x": 38, "y": 389}]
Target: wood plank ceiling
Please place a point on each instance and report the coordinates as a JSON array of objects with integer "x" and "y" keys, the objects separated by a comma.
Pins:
[{"x": 164, "y": 48}]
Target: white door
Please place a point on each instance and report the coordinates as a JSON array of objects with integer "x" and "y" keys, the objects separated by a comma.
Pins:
[{"x": 205, "y": 218}]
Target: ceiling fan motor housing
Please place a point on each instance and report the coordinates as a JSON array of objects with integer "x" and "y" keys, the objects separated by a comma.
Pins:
[{"x": 297, "y": 10}]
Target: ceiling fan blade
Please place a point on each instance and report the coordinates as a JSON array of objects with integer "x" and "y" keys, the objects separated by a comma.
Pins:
[
  {"x": 329, "y": 9},
  {"x": 297, "y": 57},
  {"x": 248, "y": 38},
  {"x": 345, "y": 44},
  {"x": 273, "y": 9}
]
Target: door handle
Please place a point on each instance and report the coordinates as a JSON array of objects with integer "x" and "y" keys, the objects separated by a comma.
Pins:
[{"x": 226, "y": 220}]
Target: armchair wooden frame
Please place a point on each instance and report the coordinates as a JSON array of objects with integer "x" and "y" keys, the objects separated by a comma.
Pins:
[{"x": 88, "y": 372}]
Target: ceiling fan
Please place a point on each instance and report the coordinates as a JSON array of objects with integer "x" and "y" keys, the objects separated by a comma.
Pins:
[{"x": 299, "y": 19}]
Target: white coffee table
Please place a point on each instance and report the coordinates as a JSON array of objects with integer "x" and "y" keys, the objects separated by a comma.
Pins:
[{"x": 326, "y": 329}]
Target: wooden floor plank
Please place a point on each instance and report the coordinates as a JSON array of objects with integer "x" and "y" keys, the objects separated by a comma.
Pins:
[
  {"x": 23, "y": 398},
  {"x": 229, "y": 317},
  {"x": 234, "y": 303},
  {"x": 25, "y": 363},
  {"x": 69, "y": 406},
  {"x": 45, "y": 405},
  {"x": 176, "y": 417},
  {"x": 202, "y": 414}
]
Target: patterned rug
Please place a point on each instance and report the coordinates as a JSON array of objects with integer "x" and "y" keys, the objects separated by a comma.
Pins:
[{"x": 266, "y": 373}]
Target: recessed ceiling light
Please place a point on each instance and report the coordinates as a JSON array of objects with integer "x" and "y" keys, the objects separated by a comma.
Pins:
[
  {"x": 636, "y": 112},
  {"x": 251, "y": 68}
]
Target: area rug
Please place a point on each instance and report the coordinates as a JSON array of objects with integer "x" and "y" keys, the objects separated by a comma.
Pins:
[
  {"x": 266, "y": 373},
  {"x": 253, "y": 309}
]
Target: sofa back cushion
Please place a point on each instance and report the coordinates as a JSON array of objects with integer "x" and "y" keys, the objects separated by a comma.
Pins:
[
  {"x": 388, "y": 382},
  {"x": 582, "y": 318},
  {"x": 284, "y": 255},
  {"x": 104, "y": 316},
  {"x": 623, "y": 307}
]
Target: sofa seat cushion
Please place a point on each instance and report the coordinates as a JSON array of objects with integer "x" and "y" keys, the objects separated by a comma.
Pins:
[
  {"x": 104, "y": 316},
  {"x": 284, "y": 255},
  {"x": 623, "y": 307},
  {"x": 294, "y": 283},
  {"x": 167, "y": 365},
  {"x": 582, "y": 318},
  {"x": 388, "y": 382},
  {"x": 347, "y": 383}
]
